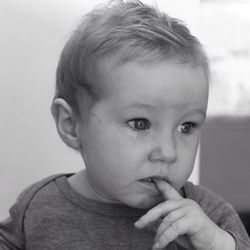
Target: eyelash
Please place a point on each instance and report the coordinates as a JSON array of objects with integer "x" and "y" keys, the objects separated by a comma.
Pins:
[
  {"x": 191, "y": 125},
  {"x": 145, "y": 125}
]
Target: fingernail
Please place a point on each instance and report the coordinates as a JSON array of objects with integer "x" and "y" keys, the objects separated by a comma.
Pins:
[
  {"x": 160, "y": 184},
  {"x": 156, "y": 246},
  {"x": 137, "y": 224},
  {"x": 156, "y": 239}
]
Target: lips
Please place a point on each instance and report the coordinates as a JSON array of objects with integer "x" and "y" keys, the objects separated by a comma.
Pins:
[
  {"x": 150, "y": 179},
  {"x": 154, "y": 178}
]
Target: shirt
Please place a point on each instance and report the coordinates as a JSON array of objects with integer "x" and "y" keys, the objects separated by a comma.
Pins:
[{"x": 50, "y": 214}]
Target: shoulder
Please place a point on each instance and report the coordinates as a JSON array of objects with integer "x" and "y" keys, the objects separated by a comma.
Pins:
[
  {"x": 27, "y": 195},
  {"x": 207, "y": 199},
  {"x": 199, "y": 192}
]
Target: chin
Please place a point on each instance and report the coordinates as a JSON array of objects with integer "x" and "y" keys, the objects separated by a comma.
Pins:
[{"x": 145, "y": 203}]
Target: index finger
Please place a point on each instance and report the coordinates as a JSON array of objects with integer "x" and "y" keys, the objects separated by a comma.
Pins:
[{"x": 168, "y": 192}]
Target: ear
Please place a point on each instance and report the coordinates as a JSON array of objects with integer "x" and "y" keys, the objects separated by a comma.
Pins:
[{"x": 66, "y": 123}]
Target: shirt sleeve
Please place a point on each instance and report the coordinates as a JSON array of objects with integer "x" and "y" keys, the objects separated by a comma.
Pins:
[
  {"x": 11, "y": 236},
  {"x": 226, "y": 217},
  {"x": 12, "y": 230},
  {"x": 223, "y": 214}
]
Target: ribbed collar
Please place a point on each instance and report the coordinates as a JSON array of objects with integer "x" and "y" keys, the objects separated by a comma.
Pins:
[{"x": 107, "y": 209}]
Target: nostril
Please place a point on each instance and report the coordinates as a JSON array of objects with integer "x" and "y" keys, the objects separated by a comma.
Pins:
[{"x": 167, "y": 154}]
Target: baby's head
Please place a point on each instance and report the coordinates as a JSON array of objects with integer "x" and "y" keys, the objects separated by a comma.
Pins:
[
  {"x": 131, "y": 96},
  {"x": 121, "y": 32}
]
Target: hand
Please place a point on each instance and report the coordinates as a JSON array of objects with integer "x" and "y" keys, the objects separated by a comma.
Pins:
[{"x": 183, "y": 220}]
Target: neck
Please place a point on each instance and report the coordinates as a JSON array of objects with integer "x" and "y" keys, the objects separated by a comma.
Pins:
[{"x": 81, "y": 183}]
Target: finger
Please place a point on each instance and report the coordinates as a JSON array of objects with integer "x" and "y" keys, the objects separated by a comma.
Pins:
[
  {"x": 184, "y": 242},
  {"x": 175, "y": 230},
  {"x": 153, "y": 227},
  {"x": 157, "y": 212},
  {"x": 168, "y": 220},
  {"x": 168, "y": 192}
]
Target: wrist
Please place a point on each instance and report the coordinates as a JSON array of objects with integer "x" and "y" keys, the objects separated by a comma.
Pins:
[{"x": 224, "y": 241}]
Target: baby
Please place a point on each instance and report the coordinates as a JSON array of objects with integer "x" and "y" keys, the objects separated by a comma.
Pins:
[{"x": 131, "y": 98}]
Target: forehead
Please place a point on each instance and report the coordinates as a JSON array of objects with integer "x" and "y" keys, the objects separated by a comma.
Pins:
[{"x": 162, "y": 84}]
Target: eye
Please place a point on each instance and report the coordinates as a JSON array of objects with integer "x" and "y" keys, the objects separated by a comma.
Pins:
[
  {"x": 139, "y": 124},
  {"x": 186, "y": 128}
]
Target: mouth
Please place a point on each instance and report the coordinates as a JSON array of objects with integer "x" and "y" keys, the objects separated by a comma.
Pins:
[{"x": 151, "y": 180}]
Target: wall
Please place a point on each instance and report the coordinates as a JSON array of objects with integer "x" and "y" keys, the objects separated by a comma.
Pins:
[
  {"x": 32, "y": 36},
  {"x": 225, "y": 157}
]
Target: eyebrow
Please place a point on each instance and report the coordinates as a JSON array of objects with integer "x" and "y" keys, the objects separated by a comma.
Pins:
[
  {"x": 147, "y": 105},
  {"x": 141, "y": 105},
  {"x": 200, "y": 111}
]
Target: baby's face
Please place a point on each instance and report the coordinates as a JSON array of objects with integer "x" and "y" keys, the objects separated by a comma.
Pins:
[{"x": 148, "y": 124}]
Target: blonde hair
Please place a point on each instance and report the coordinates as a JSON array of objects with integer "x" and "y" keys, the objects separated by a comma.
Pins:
[{"x": 128, "y": 31}]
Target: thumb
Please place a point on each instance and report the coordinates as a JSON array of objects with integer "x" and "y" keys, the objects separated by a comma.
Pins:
[{"x": 167, "y": 191}]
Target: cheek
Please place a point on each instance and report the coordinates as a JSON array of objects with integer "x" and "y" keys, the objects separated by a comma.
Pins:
[
  {"x": 185, "y": 163},
  {"x": 189, "y": 148},
  {"x": 114, "y": 155}
]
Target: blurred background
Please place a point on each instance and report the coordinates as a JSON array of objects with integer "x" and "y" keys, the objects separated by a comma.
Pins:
[{"x": 32, "y": 36}]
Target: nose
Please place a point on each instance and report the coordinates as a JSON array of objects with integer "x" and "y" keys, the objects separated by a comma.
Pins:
[{"x": 164, "y": 149}]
